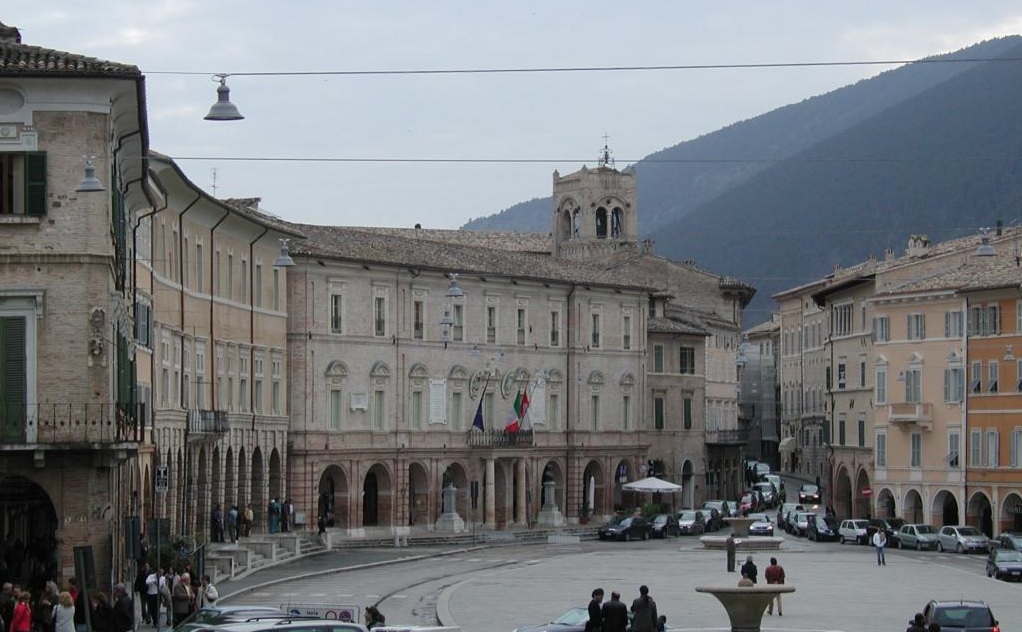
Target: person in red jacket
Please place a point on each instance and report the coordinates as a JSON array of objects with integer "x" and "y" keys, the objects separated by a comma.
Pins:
[
  {"x": 22, "y": 620},
  {"x": 774, "y": 574}
]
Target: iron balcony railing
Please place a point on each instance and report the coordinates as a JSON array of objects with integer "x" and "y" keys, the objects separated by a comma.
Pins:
[
  {"x": 207, "y": 422},
  {"x": 70, "y": 424},
  {"x": 500, "y": 439},
  {"x": 730, "y": 436}
]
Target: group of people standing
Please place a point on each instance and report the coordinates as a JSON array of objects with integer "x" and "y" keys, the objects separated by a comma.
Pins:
[
  {"x": 236, "y": 523},
  {"x": 281, "y": 516},
  {"x": 176, "y": 592},
  {"x": 56, "y": 610},
  {"x": 613, "y": 615}
]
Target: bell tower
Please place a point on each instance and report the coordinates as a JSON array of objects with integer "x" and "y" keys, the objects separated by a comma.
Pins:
[{"x": 594, "y": 212}]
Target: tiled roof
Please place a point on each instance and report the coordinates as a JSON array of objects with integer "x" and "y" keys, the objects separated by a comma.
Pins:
[
  {"x": 249, "y": 209},
  {"x": 374, "y": 246},
  {"x": 658, "y": 325},
  {"x": 977, "y": 273},
  {"x": 767, "y": 327},
  {"x": 505, "y": 240},
  {"x": 22, "y": 59}
]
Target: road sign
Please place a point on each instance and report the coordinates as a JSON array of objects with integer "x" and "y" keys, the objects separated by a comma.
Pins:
[
  {"x": 867, "y": 492},
  {"x": 162, "y": 479}
]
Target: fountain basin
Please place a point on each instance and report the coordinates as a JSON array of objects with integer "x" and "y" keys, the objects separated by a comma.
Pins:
[
  {"x": 740, "y": 525},
  {"x": 758, "y": 543},
  {"x": 745, "y": 606}
]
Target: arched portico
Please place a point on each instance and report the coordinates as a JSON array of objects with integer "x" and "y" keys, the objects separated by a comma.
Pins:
[
  {"x": 420, "y": 510},
  {"x": 862, "y": 494},
  {"x": 886, "y": 506},
  {"x": 377, "y": 497},
  {"x": 945, "y": 508},
  {"x": 553, "y": 472},
  {"x": 913, "y": 504},
  {"x": 1011, "y": 512},
  {"x": 980, "y": 513},
  {"x": 333, "y": 497},
  {"x": 624, "y": 472},
  {"x": 593, "y": 491},
  {"x": 843, "y": 494},
  {"x": 27, "y": 519}
]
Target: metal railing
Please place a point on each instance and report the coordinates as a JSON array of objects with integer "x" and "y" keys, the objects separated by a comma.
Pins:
[
  {"x": 500, "y": 439},
  {"x": 69, "y": 423},
  {"x": 208, "y": 422}
]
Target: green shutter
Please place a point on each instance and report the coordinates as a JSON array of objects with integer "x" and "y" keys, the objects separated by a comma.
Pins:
[
  {"x": 35, "y": 183},
  {"x": 12, "y": 378}
]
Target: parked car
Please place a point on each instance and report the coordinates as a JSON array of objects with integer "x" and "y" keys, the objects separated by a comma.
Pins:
[
  {"x": 220, "y": 615},
  {"x": 974, "y": 616},
  {"x": 762, "y": 468},
  {"x": 749, "y": 502},
  {"x": 809, "y": 494},
  {"x": 663, "y": 525},
  {"x": 1009, "y": 540},
  {"x": 1004, "y": 564},
  {"x": 573, "y": 620},
  {"x": 715, "y": 522},
  {"x": 917, "y": 536},
  {"x": 292, "y": 624},
  {"x": 823, "y": 529},
  {"x": 625, "y": 528},
  {"x": 800, "y": 523},
  {"x": 785, "y": 509},
  {"x": 962, "y": 539},
  {"x": 889, "y": 525},
  {"x": 853, "y": 531},
  {"x": 762, "y": 526},
  {"x": 691, "y": 522},
  {"x": 769, "y": 493},
  {"x": 777, "y": 483}
]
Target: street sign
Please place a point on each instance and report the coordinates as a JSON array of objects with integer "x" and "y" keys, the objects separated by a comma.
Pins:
[
  {"x": 162, "y": 479},
  {"x": 867, "y": 492}
]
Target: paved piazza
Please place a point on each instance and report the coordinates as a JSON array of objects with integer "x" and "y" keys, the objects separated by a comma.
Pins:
[{"x": 838, "y": 587}]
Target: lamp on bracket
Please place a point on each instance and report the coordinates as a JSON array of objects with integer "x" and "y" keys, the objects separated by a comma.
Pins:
[
  {"x": 223, "y": 109},
  {"x": 90, "y": 183},
  {"x": 454, "y": 292}
]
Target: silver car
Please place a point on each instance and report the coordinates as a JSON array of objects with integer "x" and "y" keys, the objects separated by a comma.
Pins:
[
  {"x": 962, "y": 539},
  {"x": 917, "y": 536}
]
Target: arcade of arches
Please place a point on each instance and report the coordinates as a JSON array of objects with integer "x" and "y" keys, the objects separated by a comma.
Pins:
[
  {"x": 509, "y": 490},
  {"x": 944, "y": 509}
]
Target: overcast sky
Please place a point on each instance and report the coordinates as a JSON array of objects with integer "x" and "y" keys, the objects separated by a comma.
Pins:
[{"x": 559, "y": 117}]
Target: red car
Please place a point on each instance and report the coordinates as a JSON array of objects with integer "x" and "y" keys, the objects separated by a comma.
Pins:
[{"x": 747, "y": 504}]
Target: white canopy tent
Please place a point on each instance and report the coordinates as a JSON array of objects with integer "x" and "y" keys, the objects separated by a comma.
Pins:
[{"x": 651, "y": 484}]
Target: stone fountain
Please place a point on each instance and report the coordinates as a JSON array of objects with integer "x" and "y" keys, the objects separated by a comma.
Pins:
[{"x": 745, "y": 605}]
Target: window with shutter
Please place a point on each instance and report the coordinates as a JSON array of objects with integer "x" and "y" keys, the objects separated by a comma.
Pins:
[
  {"x": 12, "y": 378},
  {"x": 22, "y": 183}
]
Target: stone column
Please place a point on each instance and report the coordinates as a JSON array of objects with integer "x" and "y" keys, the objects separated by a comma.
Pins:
[
  {"x": 521, "y": 517},
  {"x": 490, "y": 497}
]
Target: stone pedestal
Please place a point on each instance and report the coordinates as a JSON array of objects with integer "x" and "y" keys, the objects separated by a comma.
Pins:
[
  {"x": 549, "y": 514},
  {"x": 740, "y": 526},
  {"x": 745, "y": 606},
  {"x": 450, "y": 521}
]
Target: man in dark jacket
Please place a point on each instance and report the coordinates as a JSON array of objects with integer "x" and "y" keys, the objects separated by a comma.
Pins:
[
  {"x": 124, "y": 610},
  {"x": 749, "y": 569},
  {"x": 615, "y": 614},
  {"x": 644, "y": 609},
  {"x": 595, "y": 622}
]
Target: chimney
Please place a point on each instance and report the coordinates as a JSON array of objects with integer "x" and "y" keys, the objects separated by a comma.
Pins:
[
  {"x": 1000, "y": 228},
  {"x": 889, "y": 254},
  {"x": 918, "y": 245},
  {"x": 9, "y": 34}
]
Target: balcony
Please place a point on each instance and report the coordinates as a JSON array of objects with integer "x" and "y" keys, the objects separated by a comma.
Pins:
[
  {"x": 69, "y": 425},
  {"x": 730, "y": 436},
  {"x": 500, "y": 439},
  {"x": 908, "y": 414},
  {"x": 207, "y": 424}
]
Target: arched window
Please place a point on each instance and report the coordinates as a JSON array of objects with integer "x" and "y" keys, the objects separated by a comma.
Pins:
[{"x": 601, "y": 223}]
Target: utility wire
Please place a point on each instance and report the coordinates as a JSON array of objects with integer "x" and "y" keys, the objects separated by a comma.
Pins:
[
  {"x": 566, "y": 69},
  {"x": 327, "y": 159}
]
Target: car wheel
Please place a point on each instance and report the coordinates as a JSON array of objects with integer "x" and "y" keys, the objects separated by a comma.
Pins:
[
  {"x": 940, "y": 546},
  {"x": 842, "y": 539},
  {"x": 990, "y": 573},
  {"x": 645, "y": 536},
  {"x": 959, "y": 548}
]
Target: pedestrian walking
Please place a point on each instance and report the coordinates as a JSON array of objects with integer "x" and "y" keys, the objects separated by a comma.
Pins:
[
  {"x": 374, "y": 618},
  {"x": 595, "y": 622},
  {"x": 166, "y": 598},
  {"x": 123, "y": 616},
  {"x": 64, "y": 613},
  {"x": 917, "y": 624},
  {"x": 879, "y": 543},
  {"x": 102, "y": 614},
  {"x": 140, "y": 589},
  {"x": 644, "y": 614},
  {"x": 732, "y": 549},
  {"x": 248, "y": 519},
  {"x": 774, "y": 574},
  {"x": 218, "y": 523},
  {"x": 152, "y": 597},
  {"x": 289, "y": 516},
  {"x": 232, "y": 523},
  {"x": 615, "y": 614},
  {"x": 208, "y": 593},
  {"x": 749, "y": 569}
]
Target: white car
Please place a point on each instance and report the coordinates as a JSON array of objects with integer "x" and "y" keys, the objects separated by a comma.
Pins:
[{"x": 853, "y": 531}]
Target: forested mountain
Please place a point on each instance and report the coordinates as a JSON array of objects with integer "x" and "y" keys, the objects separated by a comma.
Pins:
[{"x": 930, "y": 148}]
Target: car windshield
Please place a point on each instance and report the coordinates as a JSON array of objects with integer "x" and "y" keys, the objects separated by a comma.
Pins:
[
  {"x": 895, "y": 523},
  {"x": 575, "y": 616},
  {"x": 969, "y": 531},
  {"x": 810, "y": 489},
  {"x": 925, "y": 528},
  {"x": 661, "y": 519},
  {"x": 1005, "y": 555},
  {"x": 822, "y": 521},
  {"x": 1015, "y": 538},
  {"x": 624, "y": 522},
  {"x": 963, "y": 616},
  {"x": 859, "y": 524},
  {"x": 687, "y": 515},
  {"x": 758, "y": 517}
]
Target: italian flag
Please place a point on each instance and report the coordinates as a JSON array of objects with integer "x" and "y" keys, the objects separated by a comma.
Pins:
[{"x": 513, "y": 419}]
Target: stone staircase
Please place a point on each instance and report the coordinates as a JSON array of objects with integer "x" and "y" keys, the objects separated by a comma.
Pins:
[{"x": 226, "y": 561}]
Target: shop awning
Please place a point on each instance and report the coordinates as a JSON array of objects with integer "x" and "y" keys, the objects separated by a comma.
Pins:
[{"x": 787, "y": 444}]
